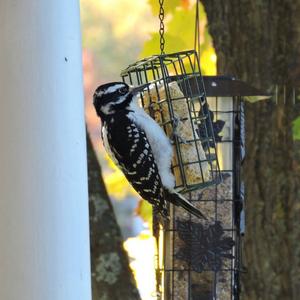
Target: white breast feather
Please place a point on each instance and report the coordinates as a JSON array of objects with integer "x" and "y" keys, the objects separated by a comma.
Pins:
[{"x": 160, "y": 143}]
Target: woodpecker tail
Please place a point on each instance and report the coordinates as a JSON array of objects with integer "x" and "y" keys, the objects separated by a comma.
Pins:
[{"x": 178, "y": 200}]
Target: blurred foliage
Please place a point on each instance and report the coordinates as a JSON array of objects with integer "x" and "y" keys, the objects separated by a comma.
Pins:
[
  {"x": 113, "y": 31},
  {"x": 116, "y": 183},
  {"x": 144, "y": 210},
  {"x": 118, "y": 187},
  {"x": 180, "y": 32},
  {"x": 296, "y": 129},
  {"x": 142, "y": 251}
]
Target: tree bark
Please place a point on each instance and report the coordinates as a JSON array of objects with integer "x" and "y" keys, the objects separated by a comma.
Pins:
[
  {"x": 259, "y": 42},
  {"x": 112, "y": 277}
]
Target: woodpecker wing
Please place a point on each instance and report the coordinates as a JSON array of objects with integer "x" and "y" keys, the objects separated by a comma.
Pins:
[{"x": 129, "y": 147}]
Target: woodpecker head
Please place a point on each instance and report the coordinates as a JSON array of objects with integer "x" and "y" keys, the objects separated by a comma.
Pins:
[{"x": 112, "y": 97}]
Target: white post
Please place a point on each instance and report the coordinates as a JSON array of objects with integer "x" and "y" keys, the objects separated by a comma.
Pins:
[{"x": 44, "y": 240}]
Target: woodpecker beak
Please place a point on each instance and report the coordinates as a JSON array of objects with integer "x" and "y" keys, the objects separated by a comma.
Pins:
[{"x": 139, "y": 89}]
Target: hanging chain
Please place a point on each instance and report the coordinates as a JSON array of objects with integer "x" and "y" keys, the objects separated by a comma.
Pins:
[{"x": 161, "y": 26}]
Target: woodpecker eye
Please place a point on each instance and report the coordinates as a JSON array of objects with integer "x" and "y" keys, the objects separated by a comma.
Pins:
[{"x": 123, "y": 90}]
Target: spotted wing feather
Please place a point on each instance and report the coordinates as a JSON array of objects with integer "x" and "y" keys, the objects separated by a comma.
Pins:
[{"x": 130, "y": 148}]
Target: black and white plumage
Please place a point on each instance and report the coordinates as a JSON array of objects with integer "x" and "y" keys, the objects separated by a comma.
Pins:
[{"x": 137, "y": 144}]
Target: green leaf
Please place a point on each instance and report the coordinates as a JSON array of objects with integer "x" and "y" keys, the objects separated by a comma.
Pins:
[
  {"x": 179, "y": 36},
  {"x": 182, "y": 25},
  {"x": 173, "y": 44},
  {"x": 151, "y": 47},
  {"x": 296, "y": 129}
]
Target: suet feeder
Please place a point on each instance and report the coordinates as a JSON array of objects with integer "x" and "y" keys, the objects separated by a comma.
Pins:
[{"x": 176, "y": 99}]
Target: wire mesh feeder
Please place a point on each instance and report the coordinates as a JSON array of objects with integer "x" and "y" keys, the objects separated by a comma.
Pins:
[{"x": 182, "y": 112}]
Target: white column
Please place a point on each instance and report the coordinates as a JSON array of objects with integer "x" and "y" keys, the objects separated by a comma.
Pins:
[{"x": 44, "y": 240}]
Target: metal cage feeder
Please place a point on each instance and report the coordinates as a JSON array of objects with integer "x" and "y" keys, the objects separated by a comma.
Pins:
[{"x": 176, "y": 99}]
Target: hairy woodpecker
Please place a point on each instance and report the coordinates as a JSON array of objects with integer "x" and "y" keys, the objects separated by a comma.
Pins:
[{"x": 138, "y": 145}]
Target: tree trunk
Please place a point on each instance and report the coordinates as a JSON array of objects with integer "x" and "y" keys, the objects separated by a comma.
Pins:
[
  {"x": 112, "y": 278},
  {"x": 259, "y": 42}
]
